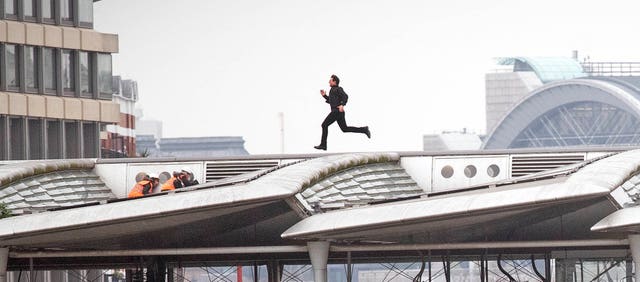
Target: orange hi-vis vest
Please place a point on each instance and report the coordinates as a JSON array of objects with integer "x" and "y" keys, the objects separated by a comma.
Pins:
[
  {"x": 138, "y": 189},
  {"x": 169, "y": 185}
]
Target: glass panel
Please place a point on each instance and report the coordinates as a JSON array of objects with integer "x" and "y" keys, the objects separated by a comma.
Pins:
[
  {"x": 10, "y": 7},
  {"x": 54, "y": 140},
  {"x": 3, "y": 141},
  {"x": 105, "y": 75},
  {"x": 90, "y": 140},
  {"x": 47, "y": 9},
  {"x": 68, "y": 74},
  {"x": 13, "y": 65},
  {"x": 49, "y": 69},
  {"x": 72, "y": 145},
  {"x": 86, "y": 88},
  {"x": 31, "y": 66},
  {"x": 66, "y": 10},
  {"x": 36, "y": 140},
  {"x": 17, "y": 141},
  {"x": 29, "y": 7},
  {"x": 86, "y": 11}
]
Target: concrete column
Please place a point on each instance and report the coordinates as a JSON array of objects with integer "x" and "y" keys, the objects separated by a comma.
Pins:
[
  {"x": 4, "y": 260},
  {"x": 319, "y": 255},
  {"x": 634, "y": 245}
]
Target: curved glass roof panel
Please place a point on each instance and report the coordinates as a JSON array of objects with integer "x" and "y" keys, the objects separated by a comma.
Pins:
[{"x": 548, "y": 69}]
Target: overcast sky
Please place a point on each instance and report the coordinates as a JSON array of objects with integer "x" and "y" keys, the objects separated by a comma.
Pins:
[{"x": 219, "y": 68}]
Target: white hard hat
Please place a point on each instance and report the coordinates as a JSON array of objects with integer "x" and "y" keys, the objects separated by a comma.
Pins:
[
  {"x": 153, "y": 175},
  {"x": 187, "y": 170}
]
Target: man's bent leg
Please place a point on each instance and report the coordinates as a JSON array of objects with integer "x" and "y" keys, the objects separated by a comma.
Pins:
[
  {"x": 345, "y": 128},
  {"x": 331, "y": 118}
]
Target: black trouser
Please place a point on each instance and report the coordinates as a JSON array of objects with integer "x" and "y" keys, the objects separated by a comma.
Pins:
[{"x": 339, "y": 117}]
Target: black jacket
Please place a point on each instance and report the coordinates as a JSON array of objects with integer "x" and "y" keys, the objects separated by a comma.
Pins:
[{"x": 336, "y": 98}]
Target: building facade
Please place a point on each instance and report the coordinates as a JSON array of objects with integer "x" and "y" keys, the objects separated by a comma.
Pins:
[
  {"x": 119, "y": 140},
  {"x": 586, "y": 104},
  {"x": 55, "y": 80}
]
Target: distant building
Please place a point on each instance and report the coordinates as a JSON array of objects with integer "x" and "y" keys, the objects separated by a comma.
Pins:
[
  {"x": 191, "y": 146},
  {"x": 119, "y": 140},
  {"x": 571, "y": 104},
  {"x": 55, "y": 83},
  {"x": 452, "y": 141}
]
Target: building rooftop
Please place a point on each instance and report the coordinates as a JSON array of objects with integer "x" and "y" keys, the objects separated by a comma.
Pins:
[{"x": 548, "y": 69}]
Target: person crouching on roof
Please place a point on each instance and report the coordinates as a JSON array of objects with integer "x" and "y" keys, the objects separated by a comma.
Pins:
[
  {"x": 188, "y": 179},
  {"x": 144, "y": 186},
  {"x": 173, "y": 183}
]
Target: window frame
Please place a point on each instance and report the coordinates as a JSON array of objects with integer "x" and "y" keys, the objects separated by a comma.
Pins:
[
  {"x": 37, "y": 66},
  {"x": 5, "y": 68},
  {"x": 91, "y": 74},
  {"x": 22, "y": 11},
  {"x": 69, "y": 92},
  {"x": 80, "y": 23},
  {"x": 54, "y": 10},
  {"x": 73, "y": 21},
  {"x": 99, "y": 94},
  {"x": 56, "y": 64},
  {"x": 16, "y": 4}
]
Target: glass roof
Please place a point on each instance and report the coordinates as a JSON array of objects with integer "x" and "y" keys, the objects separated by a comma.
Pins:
[{"x": 548, "y": 69}]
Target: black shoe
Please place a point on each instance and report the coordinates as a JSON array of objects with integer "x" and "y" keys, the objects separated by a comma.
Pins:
[
  {"x": 367, "y": 132},
  {"x": 320, "y": 147}
]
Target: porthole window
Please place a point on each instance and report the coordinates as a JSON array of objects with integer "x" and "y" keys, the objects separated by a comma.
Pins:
[
  {"x": 470, "y": 171},
  {"x": 493, "y": 170},
  {"x": 447, "y": 171}
]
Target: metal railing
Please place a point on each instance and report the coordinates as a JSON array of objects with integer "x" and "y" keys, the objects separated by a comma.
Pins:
[{"x": 612, "y": 68}]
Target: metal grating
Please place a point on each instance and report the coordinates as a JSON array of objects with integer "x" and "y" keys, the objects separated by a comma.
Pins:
[
  {"x": 529, "y": 164},
  {"x": 224, "y": 169}
]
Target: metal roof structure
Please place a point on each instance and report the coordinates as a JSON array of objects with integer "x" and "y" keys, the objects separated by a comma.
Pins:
[
  {"x": 548, "y": 69},
  {"x": 595, "y": 111},
  {"x": 360, "y": 202}
]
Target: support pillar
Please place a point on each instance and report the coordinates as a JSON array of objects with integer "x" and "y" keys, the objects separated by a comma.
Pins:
[
  {"x": 4, "y": 260},
  {"x": 319, "y": 255},
  {"x": 634, "y": 245}
]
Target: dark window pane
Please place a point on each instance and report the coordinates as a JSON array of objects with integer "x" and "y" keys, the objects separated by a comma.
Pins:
[
  {"x": 72, "y": 144},
  {"x": 54, "y": 140},
  {"x": 31, "y": 67},
  {"x": 17, "y": 141},
  {"x": 105, "y": 75},
  {"x": 86, "y": 11},
  {"x": 66, "y": 10},
  {"x": 47, "y": 9},
  {"x": 10, "y": 7},
  {"x": 90, "y": 140},
  {"x": 86, "y": 87},
  {"x": 68, "y": 73},
  {"x": 3, "y": 140},
  {"x": 13, "y": 65},
  {"x": 36, "y": 140},
  {"x": 29, "y": 7},
  {"x": 49, "y": 69}
]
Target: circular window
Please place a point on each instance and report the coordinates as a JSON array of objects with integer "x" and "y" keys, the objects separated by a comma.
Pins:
[
  {"x": 470, "y": 171},
  {"x": 447, "y": 171},
  {"x": 493, "y": 170}
]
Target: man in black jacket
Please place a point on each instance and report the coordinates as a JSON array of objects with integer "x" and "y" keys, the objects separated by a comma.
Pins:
[{"x": 337, "y": 99}]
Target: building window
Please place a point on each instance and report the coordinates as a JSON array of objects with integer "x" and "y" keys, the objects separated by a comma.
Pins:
[
  {"x": 17, "y": 139},
  {"x": 12, "y": 64},
  {"x": 11, "y": 9},
  {"x": 85, "y": 13},
  {"x": 90, "y": 138},
  {"x": 31, "y": 68},
  {"x": 105, "y": 76},
  {"x": 3, "y": 141},
  {"x": 86, "y": 75},
  {"x": 72, "y": 140},
  {"x": 54, "y": 139},
  {"x": 68, "y": 73},
  {"x": 49, "y": 70},
  {"x": 36, "y": 139},
  {"x": 48, "y": 10},
  {"x": 66, "y": 11},
  {"x": 29, "y": 8}
]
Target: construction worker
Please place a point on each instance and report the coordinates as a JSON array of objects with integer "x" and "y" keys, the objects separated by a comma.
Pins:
[
  {"x": 174, "y": 182},
  {"x": 144, "y": 186},
  {"x": 188, "y": 179}
]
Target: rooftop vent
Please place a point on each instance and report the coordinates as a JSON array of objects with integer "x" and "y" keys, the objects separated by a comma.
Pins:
[
  {"x": 223, "y": 169},
  {"x": 522, "y": 165}
]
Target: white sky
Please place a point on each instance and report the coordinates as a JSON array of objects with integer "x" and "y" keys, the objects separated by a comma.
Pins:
[{"x": 214, "y": 68}]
